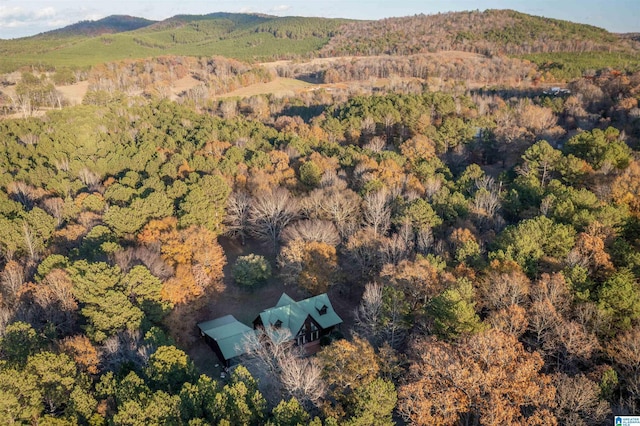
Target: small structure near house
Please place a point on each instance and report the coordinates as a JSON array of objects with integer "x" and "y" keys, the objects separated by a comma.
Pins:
[
  {"x": 307, "y": 320},
  {"x": 226, "y": 336}
]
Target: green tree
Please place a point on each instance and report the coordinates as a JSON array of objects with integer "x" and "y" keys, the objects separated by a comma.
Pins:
[
  {"x": 251, "y": 270},
  {"x": 598, "y": 147},
  {"x": 56, "y": 376},
  {"x": 169, "y": 368},
  {"x": 421, "y": 215},
  {"x": 204, "y": 204},
  {"x": 143, "y": 290},
  {"x": 159, "y": 409},
  {"x": 453, "y": 311},
  {"x": 310, "y": 174},
  {"x": 374, "y": 404},
  {"x": 531, "y": 239},
  {"x": 20, "y": 397},
  {"x": 289, "y": 413},
  {"x": 97, "y": 286},
  {"x": 540, "y": 160},
  {"x": 619, "y": 299},
  {"x": 19, "y": 342},
  {"x": 197, "y": 400},
  {"x": 240, "y": 402}
]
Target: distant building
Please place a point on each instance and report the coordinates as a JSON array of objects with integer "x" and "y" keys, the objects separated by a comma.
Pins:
[{"x": 557, "y": 91}]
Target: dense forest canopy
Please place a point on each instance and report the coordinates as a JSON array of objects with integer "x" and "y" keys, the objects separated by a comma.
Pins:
[{"x": 478, "y": 233}]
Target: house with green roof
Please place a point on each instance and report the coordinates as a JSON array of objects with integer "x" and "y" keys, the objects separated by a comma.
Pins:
[
  {"x": 227, "y": 336},
  {"x": 307, "y": 320}
]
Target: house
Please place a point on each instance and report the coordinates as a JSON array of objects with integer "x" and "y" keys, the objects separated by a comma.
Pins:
[
  {"x": 307, "y": 320},
  {"x": 227, "y": 337}
]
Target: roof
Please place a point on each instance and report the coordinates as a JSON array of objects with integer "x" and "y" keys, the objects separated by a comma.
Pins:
[
  {"x": 293, "y": 314},
  {"x": 229, "y": 333}
]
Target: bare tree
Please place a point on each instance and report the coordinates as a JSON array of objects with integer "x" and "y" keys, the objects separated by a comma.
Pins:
[
  {"x": 501, "y": 290},
  {"x": 270, "y": 213},
  {"x": 123, "y": 348},
  {"x": 237, "y": 220},
  {"x": 322, "y": 231},
  {"x": 340, "y": 205},
  {"x": 11, "y": 280},
  {"x": 281, "y": 367},
  {"x": 377, "y": 212},
  {"x": 578, "y": 401},
  {"x": 369, "y": 312}
]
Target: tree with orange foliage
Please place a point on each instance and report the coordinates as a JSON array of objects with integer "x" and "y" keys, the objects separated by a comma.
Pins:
[
  {"x": 194, "y": 253},
  {"x": 487, "y": 378},
  {"x": 626, "y": 188},
  {"x": 313, "y": 265},
  {"x": 83, "y": 352}
]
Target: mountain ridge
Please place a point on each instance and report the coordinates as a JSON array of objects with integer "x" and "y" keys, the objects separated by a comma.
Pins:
[{"x": 260, "y": 37}]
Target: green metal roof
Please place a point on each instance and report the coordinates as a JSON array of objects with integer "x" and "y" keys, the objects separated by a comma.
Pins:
[
  {"x": 230, "y": 334},
  {"x": 292, "y": 314}
]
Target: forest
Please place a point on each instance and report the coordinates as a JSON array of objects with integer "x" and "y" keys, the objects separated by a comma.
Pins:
[{"x": 479, "y": 235}]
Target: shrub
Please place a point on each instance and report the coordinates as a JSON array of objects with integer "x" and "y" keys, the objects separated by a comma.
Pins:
[{"x": 251, "y": 270}]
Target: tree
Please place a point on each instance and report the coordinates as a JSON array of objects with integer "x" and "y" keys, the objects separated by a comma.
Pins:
[
  {"x": 284, "y": 368},
  {"x": 578, "y": 401},
  {"x": 599, "y": 147},
  {"x": 56, "y": 378},
  {"x": 270, "y": 213},
  {"x": 347, "y": 366},
  {"x": 83, "y": 352},
  {"x": 144, "y": 291},
  {"x": 97, "y": 286},
  {"x": 486, "y": 378},
  {"x": 251, "y": 270},
  {"x": 374, "y": 404},
  {"x": 238, "y": 214},
  {"x": 377, "y": 211},
  {"x": 540, "y": 160},
  {"x": 169, "y": 368},
  {"x": 619, "y": 299},
  {"x": 197, "y": 400},
  {"x": 310, "y": 174},
  {"x": 204, "y": 204},
  {"x": 311, "y": 265},
  {"x": 421, "y": 215},
  {"x": 240, "y": 402},
  {"x": 453, "y": 311},
  {"x": 502, "y": 289},
  {"x": 336, "y": 203},
  {"x": 532, "y": 239},
  {"x": 626, "y": 188},
  {"x": 159, "y": 408},
  {"x": 289, "y": 413},
  {"x": 322, "y": 231},
  {"x": 20, "y": 397},
  {"x": 19, "y": 342}
]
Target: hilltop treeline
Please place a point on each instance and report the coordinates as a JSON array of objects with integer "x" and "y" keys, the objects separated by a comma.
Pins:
[
  {"x": 488, "y": 33},
  {"x": 484, "y": 243}
]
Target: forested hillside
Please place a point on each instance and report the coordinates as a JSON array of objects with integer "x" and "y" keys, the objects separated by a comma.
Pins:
[
  {"x": 489, "y": 32},
  {"x": 565, "y": 48}
]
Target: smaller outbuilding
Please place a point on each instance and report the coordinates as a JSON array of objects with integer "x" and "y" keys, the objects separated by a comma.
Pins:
[{"x": 227, "y": 337}]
